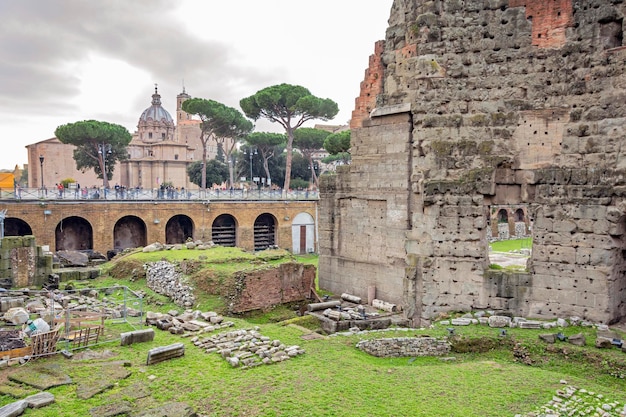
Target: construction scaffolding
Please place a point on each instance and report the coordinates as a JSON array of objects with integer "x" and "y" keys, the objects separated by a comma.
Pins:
[{"x": 66, "y": 320}]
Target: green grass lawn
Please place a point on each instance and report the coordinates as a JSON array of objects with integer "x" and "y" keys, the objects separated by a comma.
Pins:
[
  {"x": 333, "y": 378},
  {"x": 511, "y": 245}
]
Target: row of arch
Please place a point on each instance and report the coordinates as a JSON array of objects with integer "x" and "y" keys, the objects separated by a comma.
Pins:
[{"x": 76, "y": 233}]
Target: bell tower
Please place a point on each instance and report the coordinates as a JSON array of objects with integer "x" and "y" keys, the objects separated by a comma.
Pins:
[{"x": 180, "y": 114}]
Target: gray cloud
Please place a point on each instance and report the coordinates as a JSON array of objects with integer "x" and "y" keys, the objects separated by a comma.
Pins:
[
  {"x": 38, "y": 40},
  {"x": 222, "y": 50}
]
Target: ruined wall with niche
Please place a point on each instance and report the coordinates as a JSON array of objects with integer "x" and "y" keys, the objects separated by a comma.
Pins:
[{"x": 509, "y": 102}]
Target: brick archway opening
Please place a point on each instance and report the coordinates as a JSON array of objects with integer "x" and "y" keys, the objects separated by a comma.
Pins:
[
  {"x": 224, "y": 230},
  {"x": 264, "y": 231},
  {"x": 73, "y": 233},
  {"x": 129, "y": 232},
  {"x": 178, "y": 229},
  {"x": 16, "y": 227}
]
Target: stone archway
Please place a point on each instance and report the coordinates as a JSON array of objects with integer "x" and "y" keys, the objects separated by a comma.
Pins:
[
  {"x": 16, "y": 227},
  {"x": 264, "y": 231},
  {"x": 224, "y": 230},
  {"x": 73, "y": 233},
  {"x": 129, "y": 232},
  {"x": 178, "y": 229},
  {"x": 503, "y": 224},
  {"x": 303, "y": 234}
]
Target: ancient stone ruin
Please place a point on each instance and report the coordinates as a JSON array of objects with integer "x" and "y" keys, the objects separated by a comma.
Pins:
[{"x": 473, "y": 105}]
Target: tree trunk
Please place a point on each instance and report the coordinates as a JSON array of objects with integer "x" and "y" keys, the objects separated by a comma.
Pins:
[
  {"x": 266, "y": 167},
  {"x": 289, "y": 158},
  {"x": 231, "y": 171},
  {"x": 203, "y": 182}
]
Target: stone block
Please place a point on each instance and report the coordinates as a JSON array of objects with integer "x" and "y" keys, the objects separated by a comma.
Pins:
[
  {"x": 530, "y": 324},
  {"x": 137, "y": 336},
  {"x": 39, "y": 400},
  {"x": 577, "y": 339},
  {"x": 14, "y": 409},
  {"x": 499, "y": 321},
  {"x": 163, "y": 353}
]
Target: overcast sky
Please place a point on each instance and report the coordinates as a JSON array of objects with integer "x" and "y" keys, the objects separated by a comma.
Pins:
[{"x": 68, "y": 60}]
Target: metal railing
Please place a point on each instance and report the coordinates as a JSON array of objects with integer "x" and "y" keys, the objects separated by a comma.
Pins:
[{"x": 139, "y": 194}]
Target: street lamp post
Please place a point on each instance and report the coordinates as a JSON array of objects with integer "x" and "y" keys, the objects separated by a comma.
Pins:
[
  {"x": 314, "y": 167},
  {"x": 251, "y": 151},
  {"x": 41, "y": 173}
]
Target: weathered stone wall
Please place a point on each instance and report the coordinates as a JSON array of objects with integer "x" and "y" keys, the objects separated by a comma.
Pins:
[
  {"x": 405, "y": 347},
  {"x": 509, "y": 102},
  {"x": 22, "y": 263},
  {"x": 368, "y": 214}
]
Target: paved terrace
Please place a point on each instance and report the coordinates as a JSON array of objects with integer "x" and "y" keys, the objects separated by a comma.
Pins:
[{"x": 139, "y": 194}]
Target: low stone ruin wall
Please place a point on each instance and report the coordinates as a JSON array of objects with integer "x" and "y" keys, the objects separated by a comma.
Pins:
[
  {"x": 22, "y": 263},
  {"x": 405, "y": 347}
]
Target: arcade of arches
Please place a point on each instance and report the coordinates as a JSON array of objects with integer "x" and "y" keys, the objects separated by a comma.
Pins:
[{"x": 105, "y": 226}]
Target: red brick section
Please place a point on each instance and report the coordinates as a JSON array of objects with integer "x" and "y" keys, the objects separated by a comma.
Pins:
[
  {"x": 264, "y": 289},
  {"x": 549, "y": 20},
  {"x": 371, "y": 86}
]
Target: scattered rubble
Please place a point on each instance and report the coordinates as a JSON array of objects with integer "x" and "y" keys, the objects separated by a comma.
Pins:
[
  {"x": 187, "y": 323},
  {"x": 247, "y": 348},
  {"x": 163, "y": 278},
  {"x": 580, "y": 402},
  {"x": 197, "y": 244}
]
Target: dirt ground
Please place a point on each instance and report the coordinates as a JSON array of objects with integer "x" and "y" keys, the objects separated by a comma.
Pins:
[{"x": 507, "y": 259}]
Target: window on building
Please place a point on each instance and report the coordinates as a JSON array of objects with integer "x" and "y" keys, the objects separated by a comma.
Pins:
[{"x": 150, "y": 135}]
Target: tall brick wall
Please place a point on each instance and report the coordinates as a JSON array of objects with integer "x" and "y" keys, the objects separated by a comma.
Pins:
[
  {"x": 371, "y": 86},
  {"x": 499, "y": 116}
]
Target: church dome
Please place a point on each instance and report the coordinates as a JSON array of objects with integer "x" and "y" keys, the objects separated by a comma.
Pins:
[{"x": 156, "y": 113}]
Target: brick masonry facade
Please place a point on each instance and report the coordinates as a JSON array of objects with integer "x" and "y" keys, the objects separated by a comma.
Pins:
[
  {"x": 46, "y": 218},
  {"x": 484, "y": 104}
]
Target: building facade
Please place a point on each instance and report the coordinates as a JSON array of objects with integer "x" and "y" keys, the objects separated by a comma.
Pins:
[{"x": 160, "y": 151}]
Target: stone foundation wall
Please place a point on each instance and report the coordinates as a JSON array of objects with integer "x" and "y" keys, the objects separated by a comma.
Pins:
[
  {"x": 405, "y": 347},
  {"x": 508, "y": 103},
  {"x": 366, "y": 214},
  {"x": 22, "y": 263}
]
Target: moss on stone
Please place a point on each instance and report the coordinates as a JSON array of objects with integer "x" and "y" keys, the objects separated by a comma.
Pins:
[
  {"x": 477, "y": 120},
  {"x": 485, "y": 147},
  {"x": 426, "y": 19},
  {"x": 441, "y": 147},
  {"x": 503, "y": 119},
  {"x": 478, "y": 175},
  {"x": 454, "y": 120}
]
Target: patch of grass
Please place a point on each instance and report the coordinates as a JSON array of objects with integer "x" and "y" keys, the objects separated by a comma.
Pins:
[
  {"x": 333, "y": 378},
  {"x": 511, "y": 245}
]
